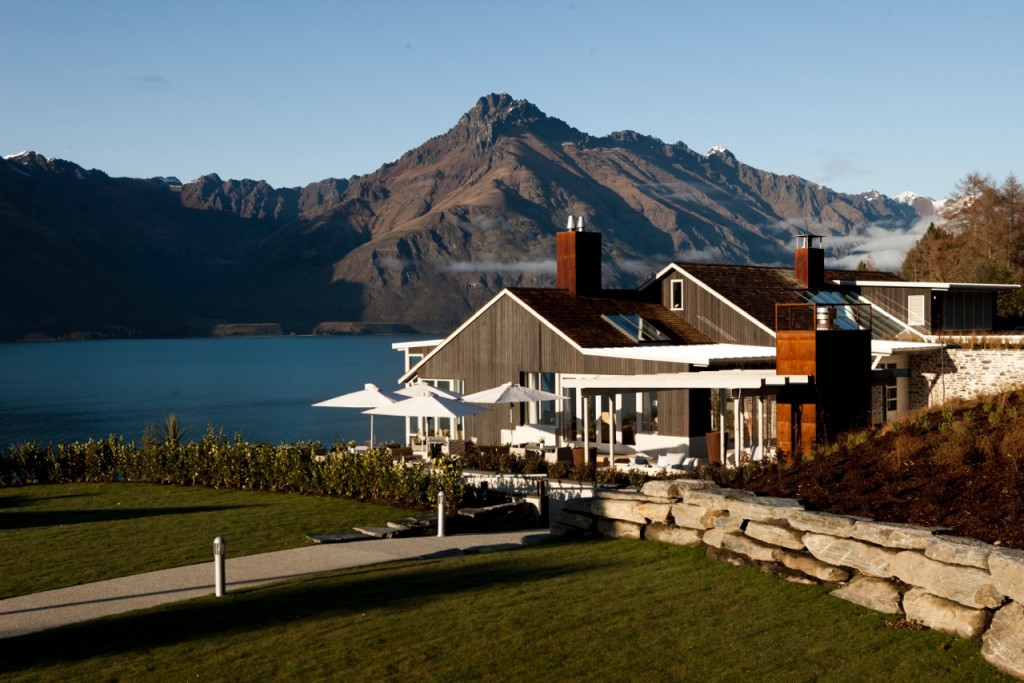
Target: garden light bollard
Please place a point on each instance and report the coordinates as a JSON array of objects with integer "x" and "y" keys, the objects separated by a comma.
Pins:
[
  {"x": 220, "y": 547},
  {"x": 440, "y": 513}
]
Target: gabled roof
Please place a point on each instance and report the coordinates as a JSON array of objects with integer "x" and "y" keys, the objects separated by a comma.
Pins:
[
  {"x": 756, "y": 289},
  {"x": 579, "y": 318}
]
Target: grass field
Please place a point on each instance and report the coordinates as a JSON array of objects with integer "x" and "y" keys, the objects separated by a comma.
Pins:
[
  {"x": 602, "y": 610},
  {"x": 61, "y": 535}
]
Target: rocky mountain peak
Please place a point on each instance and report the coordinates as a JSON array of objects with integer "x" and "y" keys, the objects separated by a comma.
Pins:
[{"x": 497, "y": 115}]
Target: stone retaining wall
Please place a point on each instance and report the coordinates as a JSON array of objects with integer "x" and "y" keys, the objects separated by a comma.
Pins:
[
  {"x": 963, "y": 373},
  {"x": 956, "y": 585}
]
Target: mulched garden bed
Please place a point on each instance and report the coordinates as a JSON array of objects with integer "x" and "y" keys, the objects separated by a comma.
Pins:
[{"x": 959, "y": 468}]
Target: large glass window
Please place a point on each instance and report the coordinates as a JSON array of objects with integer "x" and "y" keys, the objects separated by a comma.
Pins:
[{"x": 542, "y": 412}]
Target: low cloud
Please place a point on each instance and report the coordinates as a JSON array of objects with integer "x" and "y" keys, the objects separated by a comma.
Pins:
[
  {"x": 885, "y": 246},
  {"x": 391, "y": 262},
  {"x": 839, "y": 165},
  {"x": 541, "y": 267},
  {"x": 150, "y": 81}
]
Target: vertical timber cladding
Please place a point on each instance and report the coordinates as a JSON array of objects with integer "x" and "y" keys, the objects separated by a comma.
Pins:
[
  {"x": 506, "y": 340},
  {"x": 710, "y": 314},
  {"x": 894, "y": 300}
]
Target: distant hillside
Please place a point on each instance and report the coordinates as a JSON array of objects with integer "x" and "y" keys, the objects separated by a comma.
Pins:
[{"x": 422, "y": 241}]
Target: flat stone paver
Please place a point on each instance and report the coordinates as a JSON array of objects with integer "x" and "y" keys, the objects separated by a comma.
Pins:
[{"x": 50, "y": 609}]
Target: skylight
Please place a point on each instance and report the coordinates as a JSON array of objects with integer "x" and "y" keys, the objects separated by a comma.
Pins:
[
  {"x": 636, "y": 328},
  {"x": 883, "y": 326}
]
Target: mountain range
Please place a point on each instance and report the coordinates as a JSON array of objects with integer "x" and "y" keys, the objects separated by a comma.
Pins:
[{"x": 420, "y": 242}]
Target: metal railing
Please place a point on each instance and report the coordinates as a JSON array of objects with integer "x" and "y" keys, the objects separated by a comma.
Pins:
[{"x": 822, "y": 316}]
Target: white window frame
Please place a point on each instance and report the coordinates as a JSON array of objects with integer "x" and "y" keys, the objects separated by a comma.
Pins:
[
  {"x": 676, "y": 295},
  {"x": 915, "y": 310}
]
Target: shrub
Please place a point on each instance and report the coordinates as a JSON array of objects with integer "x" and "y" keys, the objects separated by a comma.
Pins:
[{"x": 214, "y": 461}]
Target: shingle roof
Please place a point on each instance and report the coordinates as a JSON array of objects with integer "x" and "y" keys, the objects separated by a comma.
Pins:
[
  {"x": 579, "y": 317},
  {"x": 756, "y": 289}
]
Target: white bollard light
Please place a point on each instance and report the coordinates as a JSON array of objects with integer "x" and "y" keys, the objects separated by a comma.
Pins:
[
  {"x": 440, "y": 513},
  {"x": 220, "y": 547}
]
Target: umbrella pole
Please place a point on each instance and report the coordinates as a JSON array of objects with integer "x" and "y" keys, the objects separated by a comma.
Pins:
[{"x": 371, "y": 432}]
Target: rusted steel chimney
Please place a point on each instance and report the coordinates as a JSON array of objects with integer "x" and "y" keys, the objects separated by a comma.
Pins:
[
  {"x": 810, "y": 261},
  {"x": 579, "y": 259}
]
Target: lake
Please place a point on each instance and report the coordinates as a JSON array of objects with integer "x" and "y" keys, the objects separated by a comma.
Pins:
[{"x": 260, "y": 387}]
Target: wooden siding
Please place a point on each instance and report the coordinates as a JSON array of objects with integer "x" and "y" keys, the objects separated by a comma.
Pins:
[
  {"x": 893, "y": 300},
  {"x": 713, "y": 316},
  {"x": 506, "y": 341}
]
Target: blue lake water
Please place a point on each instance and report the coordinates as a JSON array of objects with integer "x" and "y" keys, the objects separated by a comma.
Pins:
[{"x": 260, "y": 387}]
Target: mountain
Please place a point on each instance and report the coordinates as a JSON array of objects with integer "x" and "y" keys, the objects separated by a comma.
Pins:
[{"x": 424, "y": 240}]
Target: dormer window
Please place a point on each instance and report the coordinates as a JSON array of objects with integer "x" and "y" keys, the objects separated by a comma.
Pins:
[
  {"x": 636, "y": 328},
  {"x": 677, "y": 295}
]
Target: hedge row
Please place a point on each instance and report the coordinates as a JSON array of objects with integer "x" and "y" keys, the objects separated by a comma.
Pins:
[{"x": 218, "y": 462}]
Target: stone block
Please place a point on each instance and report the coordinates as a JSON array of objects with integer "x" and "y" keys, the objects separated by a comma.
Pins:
[
  {"x": 763, "y": 509},
  {"x": 616, "y": 528},
  {"x": 945, "y": 615},
  {"x": 715, "y": 499},
  {"x": 846, "y": 552},
  {"x": 675, "y": 488},
  {"x": 1003, "y": 644},
  {"x": 624, "y": 510},
  {"x": 822, "y": 571},
  {"x": 729, "y": 522},
  {"x": 713, "y": 537},
  {"x": 967, "y": 585},
  {"x": 1007, "y": 568},
  {"x": 748, "y": 547},
  {"x": 729, "y": 557},
  {"x": 960, "y": 550},
  {"x": 628, "y": 495},
  {"x": 695, "y": 516},
  {"x": 575, "y": 520},
  {"x": 776, "y": 534},
  {"x": 875, "y": 594},
  {"x": 826, "y": 523},
  {"x": 892, "y": 535},
  {"x": 655, "y": 512},
  {"x": 581, "y": 505},
  {"x": 675, "y": 535}
]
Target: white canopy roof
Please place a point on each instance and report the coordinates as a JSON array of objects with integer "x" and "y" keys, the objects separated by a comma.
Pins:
[{"x": 765, "y": 380}]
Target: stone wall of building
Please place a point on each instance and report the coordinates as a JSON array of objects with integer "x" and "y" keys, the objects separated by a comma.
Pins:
[
  {"x": 963, "y": 373},
  {"x": 956, "y": 585}
]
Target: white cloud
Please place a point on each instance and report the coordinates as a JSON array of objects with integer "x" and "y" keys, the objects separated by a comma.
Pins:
[
  {"x": 541, "y": 267},
  {"x": 886, "y": 246},
  {"x": 150, "y": 81}
]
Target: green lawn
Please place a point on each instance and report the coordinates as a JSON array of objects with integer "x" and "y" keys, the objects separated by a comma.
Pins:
[
  {"x": 608, "y": 611},
  {"x": 61, "y": 535},
  {"x": 588, "y": 611}
]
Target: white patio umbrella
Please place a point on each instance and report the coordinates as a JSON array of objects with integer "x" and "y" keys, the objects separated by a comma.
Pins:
[
  {"x": 423, "y": 389},
  {"x": 511, "y": 393},
  {"x": 428, "y": 406},
  {"x": 370, "y": 396}
]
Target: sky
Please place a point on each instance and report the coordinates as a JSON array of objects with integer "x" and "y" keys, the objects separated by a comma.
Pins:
[{"x": 889, "y": 96}]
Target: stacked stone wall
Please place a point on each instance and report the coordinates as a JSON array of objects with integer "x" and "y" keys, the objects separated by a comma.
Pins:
[
  {"x": 963, "y": 373},
  {"x": 956, "y": 585}
]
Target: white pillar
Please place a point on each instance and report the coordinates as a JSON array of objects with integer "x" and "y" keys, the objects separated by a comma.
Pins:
[
  {"x": 738, "y": 425},
  {"x": 760, "y": 426}
]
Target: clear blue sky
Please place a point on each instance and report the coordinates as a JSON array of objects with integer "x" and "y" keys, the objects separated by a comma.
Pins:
[{"x": 862, "y": 95}]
